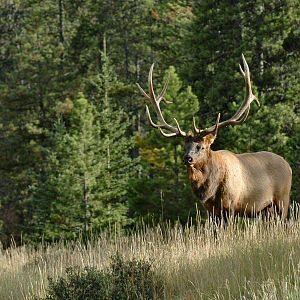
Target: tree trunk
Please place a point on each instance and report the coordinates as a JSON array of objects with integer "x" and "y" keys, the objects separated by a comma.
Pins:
[
  {"x": 61, "y": 21},
  {"x": 85, "y": 198},
  {"x": 176, "y": 171}
]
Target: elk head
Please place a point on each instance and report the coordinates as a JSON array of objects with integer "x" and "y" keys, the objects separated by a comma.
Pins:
[{"x": 197, "y": 141}]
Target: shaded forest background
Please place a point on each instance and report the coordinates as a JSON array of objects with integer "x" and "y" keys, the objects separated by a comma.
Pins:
[{"x": 76, "y": 152}]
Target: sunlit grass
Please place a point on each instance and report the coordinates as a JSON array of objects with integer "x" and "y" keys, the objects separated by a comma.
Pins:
[{"x": 250, "y": 259}]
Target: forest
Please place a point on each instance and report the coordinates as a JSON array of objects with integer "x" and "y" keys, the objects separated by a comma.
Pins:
[{"x": 77, "y": 154}]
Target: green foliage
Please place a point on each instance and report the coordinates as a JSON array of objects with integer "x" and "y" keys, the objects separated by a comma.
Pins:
[
  {"x": 86, "y": 175},
  {"x": 31, "y": 83},
  {"x": 65, "y": 197},
  {"x": 132, "y": 279},
  {"x": 79, "y": 284}
]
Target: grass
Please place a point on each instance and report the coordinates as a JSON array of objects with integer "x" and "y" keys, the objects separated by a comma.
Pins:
[{"x": 250, "y": 259}]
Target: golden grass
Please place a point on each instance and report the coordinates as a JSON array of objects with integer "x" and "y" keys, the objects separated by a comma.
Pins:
[{"x": 250, "y": 259}]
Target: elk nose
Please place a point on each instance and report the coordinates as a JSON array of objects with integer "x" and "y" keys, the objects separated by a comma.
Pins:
[{"x": 188, "y": 160}]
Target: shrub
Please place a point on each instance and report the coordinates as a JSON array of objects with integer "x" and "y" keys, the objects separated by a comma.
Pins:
[
  {"x": 88, "y": 284},
  {"x": 132, "y": 279}
]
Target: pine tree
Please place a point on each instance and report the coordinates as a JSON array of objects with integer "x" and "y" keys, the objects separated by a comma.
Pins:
[
  {"x": 29, "y": 84},
  {"x": 88, "y": 169},
  {"x": 62, "y": 204},
  {"x": 115, "y": 123}
]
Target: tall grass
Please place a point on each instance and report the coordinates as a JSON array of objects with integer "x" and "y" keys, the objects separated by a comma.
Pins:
[{"x": 249, "y": 259}]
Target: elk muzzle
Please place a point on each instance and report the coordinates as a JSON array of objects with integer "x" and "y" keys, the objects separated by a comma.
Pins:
[{"x": 187, "y": 160}]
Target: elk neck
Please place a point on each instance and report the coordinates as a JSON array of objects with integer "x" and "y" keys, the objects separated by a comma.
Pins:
[{"x": 207, "y": 177}]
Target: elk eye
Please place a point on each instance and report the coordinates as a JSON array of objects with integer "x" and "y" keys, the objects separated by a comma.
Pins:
[{"x": 199, "y": 147}]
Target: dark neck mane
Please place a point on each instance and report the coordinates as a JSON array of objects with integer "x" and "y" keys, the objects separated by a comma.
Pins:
[{"x": 206, "y": 178}]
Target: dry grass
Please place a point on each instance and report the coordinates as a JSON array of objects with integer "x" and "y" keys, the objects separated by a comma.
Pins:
[{"x": 250, "y": 259}]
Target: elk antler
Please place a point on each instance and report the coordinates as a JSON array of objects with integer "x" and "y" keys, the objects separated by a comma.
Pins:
[
  {"x": 155, "y": 101},
  {"x": 242, "y": 113}
]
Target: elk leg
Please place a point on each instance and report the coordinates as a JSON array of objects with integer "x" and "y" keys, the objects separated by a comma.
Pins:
[
  {"x": 269, "y": 212},
  {"x": 282, "y": 207}
]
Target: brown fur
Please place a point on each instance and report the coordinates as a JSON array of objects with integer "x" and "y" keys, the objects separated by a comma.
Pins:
[{"x": 244, "y": 184}]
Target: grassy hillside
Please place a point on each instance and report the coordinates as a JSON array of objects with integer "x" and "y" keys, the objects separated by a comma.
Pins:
[{"x": 251, "y": 259}]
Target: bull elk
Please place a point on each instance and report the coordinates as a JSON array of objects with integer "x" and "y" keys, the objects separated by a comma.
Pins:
[{"x": 228, "y": 183}]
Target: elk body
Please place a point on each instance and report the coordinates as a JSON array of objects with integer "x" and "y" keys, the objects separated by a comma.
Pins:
[{"x": 225, "y": 182}]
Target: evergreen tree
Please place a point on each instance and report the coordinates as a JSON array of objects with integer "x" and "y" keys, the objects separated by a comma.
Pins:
[
  {"x": 29, "y": 87},
  {"x": 63, "y": 204},
  {"x": 103, "y": 90},
  {"x": 87, "y": 177}
]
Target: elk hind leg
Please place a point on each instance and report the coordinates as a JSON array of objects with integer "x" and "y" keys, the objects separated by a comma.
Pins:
[{"x": 282, "y": 206}]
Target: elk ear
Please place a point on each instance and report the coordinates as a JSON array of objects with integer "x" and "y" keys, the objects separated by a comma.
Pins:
[
  {"x": 189, "y": 137},
  {"x": 209, "y": 139}
]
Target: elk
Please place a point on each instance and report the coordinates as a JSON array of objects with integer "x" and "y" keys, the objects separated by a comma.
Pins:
[{"x": 227, "y": 183}]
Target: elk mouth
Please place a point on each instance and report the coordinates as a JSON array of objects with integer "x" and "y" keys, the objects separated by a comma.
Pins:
[
  {"x": 191, "y": 167},
  {"x": 195, "y": 168}
]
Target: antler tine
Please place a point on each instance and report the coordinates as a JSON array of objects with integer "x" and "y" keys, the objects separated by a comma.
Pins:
[
  {"x": 142, "y": 91},
  {"x": 244, "y": 116},
  {"x": 241, "y": 70},
  {"x": 150, "y": 83},
  {"x": 217, "y": 124},
  {"x": 242, "y": 113},
  {"x": 155, "y": 101},
  {"x": 150, "y": 119},
  {"x": 197, "y": 130},
  {"x": 167, "y": 134},
  {"x": 249, "y": 97},
  {"x": 246, "y": 75},
  {"x": 163, "y": 91},
  {"x": 179, "y": 129}
]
